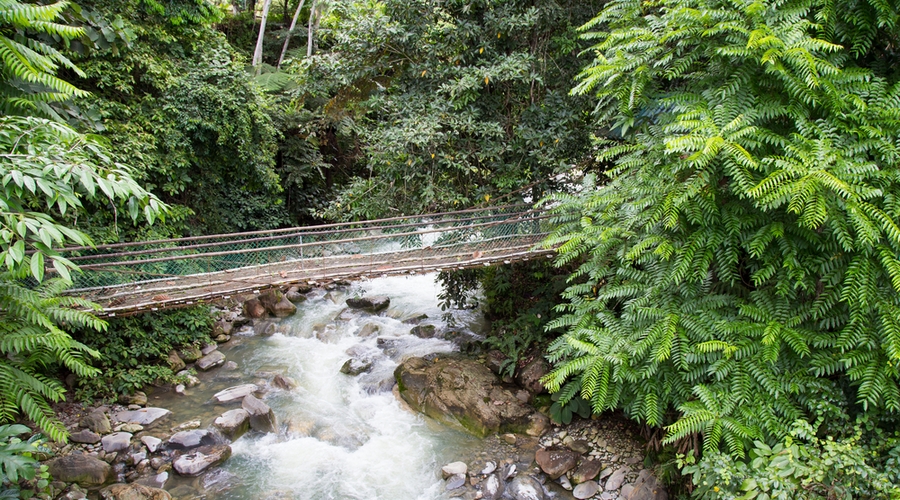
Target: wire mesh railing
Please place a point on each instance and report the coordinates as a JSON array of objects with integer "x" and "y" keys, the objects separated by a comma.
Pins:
[{"x": 241, "y": 260}]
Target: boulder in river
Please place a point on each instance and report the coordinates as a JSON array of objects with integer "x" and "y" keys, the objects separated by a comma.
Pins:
[
  {"x": 184, "y": 440},
  {"x": 235, "y": 393},
  {"x": 82, "y": 469},
  {"x": 233, "y": 423},
  {"x": 262, "y": 418},
  {"x": 211, "y": 360},
  {"x": 175, "y": 362},
  {"x": 355, "y": 366},
  {"x": 254, "y": 309},
  {"x": 117, "y": 441},
  {"x": 525, "y": 488},
  {"x": 372, "y": 303},
  {"x": 465, "y": 392},
  {"x": 276, "y": 304},
  {"x": 200, "y": 459},
  {"x": 86, "y": 436}
]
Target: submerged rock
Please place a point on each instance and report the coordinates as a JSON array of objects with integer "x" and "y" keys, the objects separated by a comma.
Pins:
[
  {"x": 183, "y": 440},
  {"x": 465, "y": 392},
  {"x": 211, "y": 361}
]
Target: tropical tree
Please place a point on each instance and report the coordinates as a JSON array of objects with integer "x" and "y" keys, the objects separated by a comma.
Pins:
[{"x": 740, "y": 264}]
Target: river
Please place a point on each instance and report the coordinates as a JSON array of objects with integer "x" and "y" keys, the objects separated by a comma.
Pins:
[{"x": 341, "y": 437}]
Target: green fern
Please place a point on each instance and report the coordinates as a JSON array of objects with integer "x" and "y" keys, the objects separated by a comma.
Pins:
[{"x": 743, "y": 258}]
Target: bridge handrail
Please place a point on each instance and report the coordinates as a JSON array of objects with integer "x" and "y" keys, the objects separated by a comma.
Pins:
[
  {"x": 287, "y": 234},
  {"x": 295, "y": 229}
]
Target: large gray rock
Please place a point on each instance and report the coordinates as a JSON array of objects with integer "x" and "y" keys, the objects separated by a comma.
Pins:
[
  {"x": 133, "y": 491},
  {"x": 233, "y": 423},
  {"x": 138, "y": 398},
  {"x": 465, "y": 392},
  {"x": 525, "y": 488},
  {"x": 355, "y": 366},
  {"x": 284, "y": 382},
  {"x": 185, "y": 440},
  {"x": 117, "y": 441},
  {"x": 284, "y": 308},
  {"x": 82, "y": 469},
  {"x": 453, "y": 469},
  {"x": 423, "y": 331},
  {"x": 145, "y": 416},
  {"x": 222, "y": 327},
  {"x": 97, "y": 421},
  {"x": 254, "y": 309},
  {"x": 372, "y": 303},
  {"x": 85, "y": 436},
  {"x": 555, "y": 462},
  {"x": 529, "y": 376},
  {"x": 200, "y": 459},
  {"x": 211, "y": 361},
  {"x": 190, "y": 353},
  {"x": 262, "y": 418},
  {"x": 152, "y": 443},
  {"x": 235, "y": 393}
]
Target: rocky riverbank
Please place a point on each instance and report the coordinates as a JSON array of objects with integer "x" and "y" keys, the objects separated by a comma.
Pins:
[{"x": 137, "y": 450}]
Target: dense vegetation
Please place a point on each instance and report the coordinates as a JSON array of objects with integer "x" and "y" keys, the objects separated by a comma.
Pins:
[
  {"x": 732, "y": 256},
  {"x": 739, "y": 272}
]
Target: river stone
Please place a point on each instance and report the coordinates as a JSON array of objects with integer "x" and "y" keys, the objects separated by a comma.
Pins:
[
  {"x": 529, "y": 376},
  {"x": 254, "y": 309},
  {"x": 465, "y": 392},
  {"x": 492, "y": 488},
  {"x": 564, "y": 482},
  {"x": 373, "y": 303},
  {"x": 145, "y": 416},
  {"x": 645, "y": 488},
  {"x": 355, "y": 366},
  {"x": 423, "y": 331},
  {"x": 555, "y": 462},
  {"x": 455, "y": 481},
  {"x": 233, "y": 423},
  {"x": 284, "y": 382},
  {"x": 174, "y": 360},
  {"x": 525, "y": 488},
  {"x": 82, "y": 469},
  {"x": 266, "y": 328},
  {"x": 235, "y": 393},
  {"x": 586, "y": 490},
  {"x": 200, "y": 459},
  {"x": 189, "y": 379},
  {"x": 183, "y": 440},
  {"x": 97, "y": 421},
  {"x": 368, "y": 330},
  {"x": 133, "y": 491},
  {"x": 615, "y": 481},
  {"x": 186, "y": 426},
  {"x": 117, "y": 441},
  {"x": 262, "y": 418},
  {"x": 489, "y": 467},
  {"x": 269, "y": 298},
  {"x": 217, "y": 481},
  {"x": 138, "y": 398},
  {"x": 626, "y": 491},
  {"x": 586, "y": 471},
  {"x": 154, "y": 481},
  {"x": 190, "y": 353},
  {"x": 294, "y": 296},
  {"x": 152, "y": 443},
  {"x": 222, "y": 327},
  {"x": 284, "y": 308},
  {"x": 85, "y": 436},
  {"x": 211, "y": 360},
  {"x": 453, "y": 469}
]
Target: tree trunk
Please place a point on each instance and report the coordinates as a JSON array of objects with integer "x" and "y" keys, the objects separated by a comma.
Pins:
[
  {"x": 257, "y": 54},
  {"x": 309, "y": 40},
  {"x": 287, "y": 37}
]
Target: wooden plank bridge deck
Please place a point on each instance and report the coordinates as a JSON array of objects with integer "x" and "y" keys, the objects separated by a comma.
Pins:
[{"x": 136, "y": 277}]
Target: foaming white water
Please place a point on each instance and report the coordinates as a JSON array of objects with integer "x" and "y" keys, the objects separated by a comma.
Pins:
[{"x": 346, "y": 437}]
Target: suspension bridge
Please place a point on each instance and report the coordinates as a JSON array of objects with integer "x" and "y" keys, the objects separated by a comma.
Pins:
[{"x": 126, "y": 278}]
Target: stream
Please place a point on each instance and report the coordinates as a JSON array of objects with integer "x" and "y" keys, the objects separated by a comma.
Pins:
[{"x": 341, "y": 437}]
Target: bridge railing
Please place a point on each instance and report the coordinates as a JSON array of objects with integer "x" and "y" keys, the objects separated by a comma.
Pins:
[{"x": 441, "y": 234}]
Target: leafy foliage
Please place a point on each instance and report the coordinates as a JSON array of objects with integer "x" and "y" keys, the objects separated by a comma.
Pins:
[
  {"x": 133, "y": 351},
  {"x": 741, "y": 264},
  {"x": 19, "y": 464},
  {"x": 424, "y": 105},
  {"x": 28, "y": 65}
]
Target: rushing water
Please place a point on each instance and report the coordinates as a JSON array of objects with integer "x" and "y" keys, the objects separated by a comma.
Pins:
[{"x": 341, "y": 437}]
